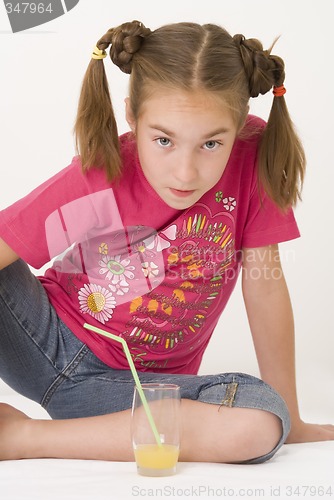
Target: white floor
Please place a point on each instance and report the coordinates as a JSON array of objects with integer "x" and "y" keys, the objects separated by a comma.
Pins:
[{"x": 297, "y": 472}]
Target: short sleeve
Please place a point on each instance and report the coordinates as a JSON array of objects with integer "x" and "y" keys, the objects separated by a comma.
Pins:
[
  {"x": 267, "y": 224},
  {"x": 22, "y": 225}
]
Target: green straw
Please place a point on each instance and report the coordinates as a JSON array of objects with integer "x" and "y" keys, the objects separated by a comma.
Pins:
[{"x": 134, "y": 374}]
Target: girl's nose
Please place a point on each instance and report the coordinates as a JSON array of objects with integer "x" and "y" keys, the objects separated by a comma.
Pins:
[{"x": 186, "y": 171}]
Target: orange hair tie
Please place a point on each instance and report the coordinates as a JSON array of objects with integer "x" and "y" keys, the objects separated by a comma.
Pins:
[{"x": 279, "y": 91}]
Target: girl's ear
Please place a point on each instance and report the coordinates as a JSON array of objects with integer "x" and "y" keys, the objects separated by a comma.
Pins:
[{"x": 129, "y": 115}]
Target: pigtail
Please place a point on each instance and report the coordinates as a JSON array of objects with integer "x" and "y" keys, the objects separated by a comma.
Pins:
[
  {"x": 281, "y": 161},
  {"x": 281, "y": 157},
  {"x": 95, "y": 127}
]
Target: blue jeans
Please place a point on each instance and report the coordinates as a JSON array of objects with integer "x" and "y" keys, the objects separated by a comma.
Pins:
[{"x": 43, "y": 360}]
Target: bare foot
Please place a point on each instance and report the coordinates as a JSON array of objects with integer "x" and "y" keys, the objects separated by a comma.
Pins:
[{"x": 12, "y": 432}]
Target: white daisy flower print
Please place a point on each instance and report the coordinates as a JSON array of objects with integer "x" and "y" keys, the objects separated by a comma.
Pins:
[
  {"x": 97, "y": 301},
  {"x": 116, "y": 269}
]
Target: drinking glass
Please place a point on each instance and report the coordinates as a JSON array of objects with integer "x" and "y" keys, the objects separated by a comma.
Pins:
[{"x": 156, "y": 454}]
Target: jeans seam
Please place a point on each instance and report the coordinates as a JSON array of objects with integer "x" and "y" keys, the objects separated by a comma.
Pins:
[
  {"x": 63, "y": 375},
  {"x": 25, "y": 330}
]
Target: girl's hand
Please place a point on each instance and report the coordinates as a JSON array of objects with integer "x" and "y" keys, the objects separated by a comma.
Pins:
[{"x": 302, "y": 432}]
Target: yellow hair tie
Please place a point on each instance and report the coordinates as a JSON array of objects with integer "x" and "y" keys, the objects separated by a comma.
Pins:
[{"x": 98, "y": 54}]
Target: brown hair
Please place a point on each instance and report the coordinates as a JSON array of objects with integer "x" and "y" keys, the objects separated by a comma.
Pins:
[{"x": 189, "y": 57}]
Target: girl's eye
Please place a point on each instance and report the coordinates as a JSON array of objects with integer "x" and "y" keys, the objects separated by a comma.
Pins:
[
  {"x": 163, "y": 141},
  {"x": 211, "y": 145}
]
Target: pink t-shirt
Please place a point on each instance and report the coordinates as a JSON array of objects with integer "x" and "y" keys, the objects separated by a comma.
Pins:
[{"x": 126, "y": 262}]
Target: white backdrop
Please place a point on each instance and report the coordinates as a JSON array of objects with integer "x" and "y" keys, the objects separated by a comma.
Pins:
[{"x": 40, "y": 76}]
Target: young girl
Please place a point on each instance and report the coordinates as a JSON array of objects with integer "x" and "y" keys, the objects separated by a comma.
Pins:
[{"x": 147, "y": 233}]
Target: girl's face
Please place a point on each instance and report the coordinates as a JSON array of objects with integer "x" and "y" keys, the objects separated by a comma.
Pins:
[{"x": 184, "y": 141}]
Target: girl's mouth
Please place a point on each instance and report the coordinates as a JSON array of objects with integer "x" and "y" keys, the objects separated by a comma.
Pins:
[{"x": 181, "y": 193}]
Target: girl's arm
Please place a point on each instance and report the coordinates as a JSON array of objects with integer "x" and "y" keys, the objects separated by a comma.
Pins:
[
  {"x": 7, "y": 255},
  {"x": 270, "y": 317}
]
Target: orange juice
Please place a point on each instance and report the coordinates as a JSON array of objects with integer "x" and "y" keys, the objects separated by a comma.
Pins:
[{"x": 153, "y": 459}]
